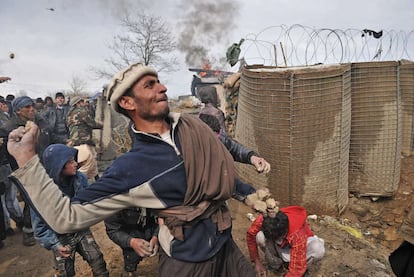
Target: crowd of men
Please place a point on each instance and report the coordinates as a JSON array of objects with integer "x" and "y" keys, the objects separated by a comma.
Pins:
[{"x": 61, "y": 121}]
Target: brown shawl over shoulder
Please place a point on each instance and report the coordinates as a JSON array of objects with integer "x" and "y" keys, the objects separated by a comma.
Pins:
[{"x": 210, "y": 178}]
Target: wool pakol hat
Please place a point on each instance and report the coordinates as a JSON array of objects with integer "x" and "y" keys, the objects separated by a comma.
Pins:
[{"x": 125, "y": 79}]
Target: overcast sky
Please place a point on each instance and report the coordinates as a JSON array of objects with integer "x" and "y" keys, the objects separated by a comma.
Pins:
[{"x": 52, "y": 46}]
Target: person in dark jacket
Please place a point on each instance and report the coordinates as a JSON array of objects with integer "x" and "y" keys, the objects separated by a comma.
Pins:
[
  {"x": 131, "y": 227},
  {"x": 56, "y": 116},
  {"x": 60, "y": 163},
  {"x": 239, "y": 152},
  {"x": 49, "y": 102},
  {"x": 24, "y": 110},
  {"x": 208, "y": 96}
]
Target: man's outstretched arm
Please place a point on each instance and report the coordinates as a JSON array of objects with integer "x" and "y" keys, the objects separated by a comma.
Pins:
[{"x": 46, "y": 198}]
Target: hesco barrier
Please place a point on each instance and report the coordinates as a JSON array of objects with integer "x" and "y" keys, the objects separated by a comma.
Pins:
[
  {"x": 299, "y": 120},
  {"x": 407, "y": 105},
  {"x": 375, "y": 147}
]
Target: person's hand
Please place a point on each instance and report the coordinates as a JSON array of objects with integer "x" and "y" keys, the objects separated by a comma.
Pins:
[
  {"x": 22, "y": 143},
  {"x": 154, "y": 245},
  {"x": 63, "y": 251},
  {"x": 260, "y": 270},
  {"x": 142, "y": 247},
  {"x": 261, "y": 164}
]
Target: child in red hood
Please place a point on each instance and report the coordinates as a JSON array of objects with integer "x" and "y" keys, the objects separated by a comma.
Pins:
[{"x": 284, "y": 237}]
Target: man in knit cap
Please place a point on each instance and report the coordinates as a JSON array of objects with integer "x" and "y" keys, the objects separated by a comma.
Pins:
[
  {"x": 24, "y": 110},
  {"x": 176, "y": 166}
]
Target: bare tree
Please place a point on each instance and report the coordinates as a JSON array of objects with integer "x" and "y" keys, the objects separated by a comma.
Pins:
[
  {"x": 78, "y": 85},
  {"x": 146, "y": 39}
]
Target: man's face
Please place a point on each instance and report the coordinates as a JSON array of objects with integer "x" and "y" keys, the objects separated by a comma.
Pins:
[
  {"x": 39, "y": 105},
  {"x": 70, "y": 168},
  {"x": 81, "y": 103},
  {"x": 4, "y": 107},
  {"x": 59, "y": 100},
  {"x": 27, "y": 112},
  {"x": 150, "y": 98}
]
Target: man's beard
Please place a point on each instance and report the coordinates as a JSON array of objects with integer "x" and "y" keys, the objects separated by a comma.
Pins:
[{"x": 160, "y": 116}]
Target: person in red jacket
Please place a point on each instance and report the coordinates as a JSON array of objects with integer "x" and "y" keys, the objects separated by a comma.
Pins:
[{"x": 284, "y": 237}]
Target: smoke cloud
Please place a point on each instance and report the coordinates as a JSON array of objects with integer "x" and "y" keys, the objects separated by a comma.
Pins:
[
  {"x": 202, "y": 32},
  {"x": 205, "y": 25}
]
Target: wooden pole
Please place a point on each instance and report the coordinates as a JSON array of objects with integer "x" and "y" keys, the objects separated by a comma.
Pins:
[
  {"x": 274, "y": 49},
  {"x": 283, "y": 53}
]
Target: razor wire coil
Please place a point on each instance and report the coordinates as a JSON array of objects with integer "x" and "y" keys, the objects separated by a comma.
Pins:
[{"x": 300, "y": 45}]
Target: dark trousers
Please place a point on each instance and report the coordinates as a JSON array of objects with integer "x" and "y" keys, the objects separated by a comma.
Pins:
[
  {"x": 85, "y": 244},
  {"x": 131, "y": 259},
  {"x": 2, "y": 223},
  {"x": 27, "y": 221},
  {"x": 228, "y": 262},
  {"x": 402, "y": 260}
]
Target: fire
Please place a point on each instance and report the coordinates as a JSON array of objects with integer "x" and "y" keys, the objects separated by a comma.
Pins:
[{"x": 207, "y": 69}]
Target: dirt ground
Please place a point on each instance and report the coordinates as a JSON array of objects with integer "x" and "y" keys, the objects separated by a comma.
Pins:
[{"x": 346, "y": 254}]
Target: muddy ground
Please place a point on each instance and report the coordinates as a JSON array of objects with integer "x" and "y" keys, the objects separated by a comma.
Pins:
[{"x": 346, "y": 255}]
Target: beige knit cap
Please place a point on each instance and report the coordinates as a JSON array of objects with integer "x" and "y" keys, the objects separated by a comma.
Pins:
[
  {"x": 74, "y": 100},
  {"x": 125, "y": 79}
]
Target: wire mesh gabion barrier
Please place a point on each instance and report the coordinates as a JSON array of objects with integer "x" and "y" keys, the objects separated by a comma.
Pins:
[
  {"x": 299, "y": 120},
  {"x": 299, "y": 45},
  {"x": 375, "y": 146},
  {"x": 407, "y": 106}
]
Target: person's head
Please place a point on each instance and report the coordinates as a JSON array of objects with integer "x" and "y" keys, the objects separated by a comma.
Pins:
[
  {"x": 208, "y": 95},
  {"x": 137, "y": 93},
  {"x": 76, "y": 101},
  {"x": 3, "y": 106},
  {"x": 275, "y": 228},
  {"x": 23, "y": 107},
  {"x": 39, "y": 103},
  {"x": 10, "y": 98},
  {"x": 70, "y": 168},
  {"x": 211, "y": 121},
  {"x": 60, "y": 161},
  {"x": 48, "y": 101},
  {"x": 59, "y": 99}
]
